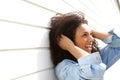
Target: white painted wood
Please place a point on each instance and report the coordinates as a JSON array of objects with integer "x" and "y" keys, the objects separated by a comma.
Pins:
[
  {"x": 24, "y": 62},
  {"x": 21, "y": 11},
  {"x": 55, "y": 5},
  {"x": 14, "y": 36},
  {"x": 45, "y": 75}
]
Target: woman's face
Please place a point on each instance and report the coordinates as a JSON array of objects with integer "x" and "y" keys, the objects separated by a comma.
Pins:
[{"x": 84, "y": 38}]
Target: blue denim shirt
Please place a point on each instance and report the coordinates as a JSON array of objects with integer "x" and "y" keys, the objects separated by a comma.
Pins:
[
  {"x": 93, "y": 66},
  {"x": 111, "y": 52}
]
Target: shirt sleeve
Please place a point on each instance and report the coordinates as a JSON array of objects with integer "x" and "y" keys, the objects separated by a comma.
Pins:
[
  {"x": 114, "y": 39},
  {"x": 88, "y": 67}
]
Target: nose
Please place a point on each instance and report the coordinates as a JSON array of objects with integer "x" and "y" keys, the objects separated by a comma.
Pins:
[{"x": 90, "y": 39}]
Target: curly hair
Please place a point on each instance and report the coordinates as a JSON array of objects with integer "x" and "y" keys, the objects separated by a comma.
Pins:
[{"x": 65, "y": 24}]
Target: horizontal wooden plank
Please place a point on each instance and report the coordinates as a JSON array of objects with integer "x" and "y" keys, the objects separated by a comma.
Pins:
[
  {"x": 45, "y": 75},
  {"x": 21, "y": 36},
  {"x": 21, "y": 11},
  {"x": 53, "y": 5},
  {"x": 18, "y": 63}
]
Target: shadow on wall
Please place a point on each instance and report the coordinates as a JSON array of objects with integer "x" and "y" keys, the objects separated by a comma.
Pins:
[{"x": 45, "y": 66}]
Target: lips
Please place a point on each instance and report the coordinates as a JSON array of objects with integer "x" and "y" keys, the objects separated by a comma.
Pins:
[{"x": 88, "y": 47}]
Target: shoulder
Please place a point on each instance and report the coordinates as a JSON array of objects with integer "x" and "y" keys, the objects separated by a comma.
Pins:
[
  {"x": 65, "y": 65},
  {"x": 66, "y": 62}
]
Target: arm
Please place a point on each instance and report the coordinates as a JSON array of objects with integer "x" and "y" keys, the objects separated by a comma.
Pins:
[
  {"x": 88, "y": 67},
  {"x": 92, "y": 66},
  {"x": 112, "y": 38},
  {"x": 100, "y": 35}
]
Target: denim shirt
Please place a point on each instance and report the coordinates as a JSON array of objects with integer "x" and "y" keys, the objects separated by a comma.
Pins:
[
  {"x": 93, "y": 66},
  {"x": 111, "y": 52}
]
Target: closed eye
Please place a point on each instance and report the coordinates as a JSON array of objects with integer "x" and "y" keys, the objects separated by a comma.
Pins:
[
  {"x": 87, "y": 34},
  {"x": 84, "y": 35}
]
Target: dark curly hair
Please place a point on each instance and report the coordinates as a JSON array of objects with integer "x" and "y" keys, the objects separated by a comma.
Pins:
[{"x": 65, "y": 24}]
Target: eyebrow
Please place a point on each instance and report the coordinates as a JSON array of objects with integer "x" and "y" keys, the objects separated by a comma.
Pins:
[{"x": 87, "y": 32}]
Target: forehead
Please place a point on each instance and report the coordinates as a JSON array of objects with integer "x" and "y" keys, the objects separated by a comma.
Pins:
[{"x": 84, "y": 28}]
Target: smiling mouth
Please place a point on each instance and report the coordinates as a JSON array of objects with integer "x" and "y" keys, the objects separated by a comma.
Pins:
[{"x": 88, "y": 47}]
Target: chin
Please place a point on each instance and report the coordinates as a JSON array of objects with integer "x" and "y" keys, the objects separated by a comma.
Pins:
[{"x": 89, "y": 52}]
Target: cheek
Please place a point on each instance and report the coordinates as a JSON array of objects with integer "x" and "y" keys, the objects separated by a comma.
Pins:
[{"x": 80, "y": 43}]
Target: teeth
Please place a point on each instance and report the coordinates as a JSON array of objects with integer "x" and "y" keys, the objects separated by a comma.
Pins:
[{"x": 88, "y": 46}]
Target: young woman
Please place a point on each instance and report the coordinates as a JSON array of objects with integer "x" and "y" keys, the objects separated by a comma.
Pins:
[{"x": 74, "y": 50}]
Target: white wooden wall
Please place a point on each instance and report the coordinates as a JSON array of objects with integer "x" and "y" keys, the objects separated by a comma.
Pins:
[{"x": 24, "y": 45}]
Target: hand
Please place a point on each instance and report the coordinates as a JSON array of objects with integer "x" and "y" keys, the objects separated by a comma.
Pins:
[{"x": 65, "y": 43}]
